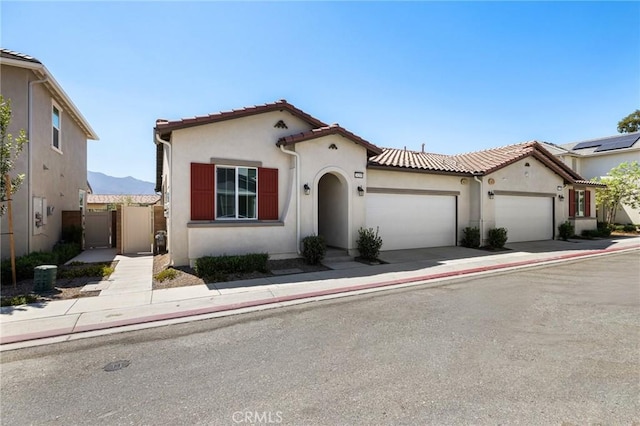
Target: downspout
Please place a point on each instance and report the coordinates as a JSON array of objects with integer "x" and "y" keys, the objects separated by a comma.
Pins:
[
  {"x": 481, "y": 208},
  {"x": 297, "y": 189},
  {"x": 30, "y": 160},
  {"x": 169, "y": 158}
]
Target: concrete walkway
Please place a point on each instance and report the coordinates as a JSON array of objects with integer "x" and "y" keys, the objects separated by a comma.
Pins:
[{"x": 128, "y": 302}]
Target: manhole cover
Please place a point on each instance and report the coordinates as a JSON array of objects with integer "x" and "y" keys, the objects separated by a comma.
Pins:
[{"x": 117, "y": 365}]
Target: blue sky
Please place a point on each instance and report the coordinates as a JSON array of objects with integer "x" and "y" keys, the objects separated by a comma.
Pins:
[{"x": 457, "y": 76}]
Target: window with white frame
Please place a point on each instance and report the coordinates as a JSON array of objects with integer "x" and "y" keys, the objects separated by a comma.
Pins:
[
  {"x": 56, "y": 127},
  {"x": 580, "y": 203},
  {"x": 236, "y": 192}
]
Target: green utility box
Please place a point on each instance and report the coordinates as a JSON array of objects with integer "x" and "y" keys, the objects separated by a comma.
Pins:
[{"x": 44, "y": 277}]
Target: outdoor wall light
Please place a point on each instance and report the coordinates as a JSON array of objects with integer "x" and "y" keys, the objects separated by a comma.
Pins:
[
  {"x": 491, "y": 195},
  {"x": 561, "y": 197},
  {"x": 307, "y": 189},
  {"x": 559, "y": 187},
  {"x": 360, "y": 191}
]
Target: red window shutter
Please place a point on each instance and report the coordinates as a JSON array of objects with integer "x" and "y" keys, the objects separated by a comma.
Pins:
[
  {"x": 587, "y": 203},
  {"x": 267, "y": 194},
  {"x": 572, "y": 203},
  {"x": 203, "y": 194}
]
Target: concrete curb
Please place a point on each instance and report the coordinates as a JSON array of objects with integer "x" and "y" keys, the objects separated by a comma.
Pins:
[{"x": 275, "y": 302}]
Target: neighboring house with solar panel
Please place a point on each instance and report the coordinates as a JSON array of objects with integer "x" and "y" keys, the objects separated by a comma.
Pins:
[
  {"x": 596, "y": 157},
  {"x": 261, "y": 178},
  {"x": 55, "y": 159}
]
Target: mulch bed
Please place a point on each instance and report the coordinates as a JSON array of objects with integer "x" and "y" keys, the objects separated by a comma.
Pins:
[{"x": 187, "y": 276}]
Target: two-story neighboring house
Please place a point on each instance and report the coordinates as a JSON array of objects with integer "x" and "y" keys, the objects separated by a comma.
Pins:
[
  {"x": 596, "y": 157},
  {"x": 54, "y": 161}
]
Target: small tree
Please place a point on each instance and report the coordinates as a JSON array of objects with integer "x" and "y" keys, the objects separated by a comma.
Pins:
[
  {"x": 623, "y": 187},
  {"x": 631, "y": 123},
  {"x": 9, "y": 151}
]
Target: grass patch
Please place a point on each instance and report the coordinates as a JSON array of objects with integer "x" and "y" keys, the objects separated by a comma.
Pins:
[{"x": 86, "y": 270}]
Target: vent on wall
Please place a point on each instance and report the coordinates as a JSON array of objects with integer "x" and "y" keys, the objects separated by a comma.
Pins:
[{"x": 281, "y": 125}]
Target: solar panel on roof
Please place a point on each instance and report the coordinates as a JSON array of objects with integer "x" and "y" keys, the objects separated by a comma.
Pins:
[
  {"x": 608, "y": 144},
  {"x": 618, "y": 145}
]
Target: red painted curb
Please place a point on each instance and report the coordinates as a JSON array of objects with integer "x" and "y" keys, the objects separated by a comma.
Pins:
[{"x": 281, "y": 299}]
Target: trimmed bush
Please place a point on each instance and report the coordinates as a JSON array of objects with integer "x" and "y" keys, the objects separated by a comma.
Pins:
[
  {"x": 22, "y": 299},
  {"x": 61, "y": 253},
  {"x": 604, "y": 229},
  {"x": 470, "y": 237},
  {"x": 369, "y": 243},
  {"x": 566, "y": 230},
  {"x": 217, "y": 267},
  {"x": 86, "y": 270},
  {"x": 629, "y": 228},
  {"x": 497, "y": 238},
  {"x": 590, "y": 233},
  {"x": 72, "y": 234},
  {"x": 313, "y": 249}
]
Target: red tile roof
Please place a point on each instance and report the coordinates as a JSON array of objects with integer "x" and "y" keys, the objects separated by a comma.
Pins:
[
  {"x": 117, "y": 199},
  {"x": 166, "y": 126},
  {"x": 333, "y": 129},
  {"x": 475, "y": 163}
]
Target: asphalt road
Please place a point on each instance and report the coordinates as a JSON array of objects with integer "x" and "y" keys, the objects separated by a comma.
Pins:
[{"x": 550, "y": 345}]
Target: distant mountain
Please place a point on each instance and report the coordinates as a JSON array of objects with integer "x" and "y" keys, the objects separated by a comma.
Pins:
[{"x": 104, "y": 184}]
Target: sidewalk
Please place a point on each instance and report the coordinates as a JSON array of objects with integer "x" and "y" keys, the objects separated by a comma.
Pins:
[{"x": 127, "y": 301}]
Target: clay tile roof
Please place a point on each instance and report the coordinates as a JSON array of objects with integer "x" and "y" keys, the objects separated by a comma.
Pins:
[
  {"x": 117, "y": 199},
  {"x": 166, "y": 126},
  {"x": 489, "y": 160},
  {"x": 333, "y": 129},
  {"x": 401, "y": 158},
  {"x": 10, "y": 54}
]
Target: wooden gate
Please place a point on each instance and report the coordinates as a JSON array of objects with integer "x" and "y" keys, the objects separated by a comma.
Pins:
[
  {"x": 137, "y": 230},
  {"x": 97, "y": 229}
]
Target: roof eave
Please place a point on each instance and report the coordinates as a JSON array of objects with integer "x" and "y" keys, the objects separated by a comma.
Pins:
[{"x": 42, "y": 72}]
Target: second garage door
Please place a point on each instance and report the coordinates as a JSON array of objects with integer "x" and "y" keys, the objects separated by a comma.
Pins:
[
  {"x": 525, "y": 218},
  {"x": 413, "y": 221}
]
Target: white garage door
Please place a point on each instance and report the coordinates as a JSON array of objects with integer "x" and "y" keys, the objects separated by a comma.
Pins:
[
  {"x": 413, "y": 221},
  {"x": 525, "y": 218}
]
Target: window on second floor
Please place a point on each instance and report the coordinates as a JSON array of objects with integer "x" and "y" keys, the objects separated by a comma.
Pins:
[{"x": 56, "y": 127}]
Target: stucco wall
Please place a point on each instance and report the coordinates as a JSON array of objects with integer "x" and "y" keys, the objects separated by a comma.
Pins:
[
  {"x": 600, "y": 165},
  {"x": 251, "y": 139},
  {"x": 393, "y": 179},
  {"x": 56, "y": 177},
  {"x": 517, "y": 177}
]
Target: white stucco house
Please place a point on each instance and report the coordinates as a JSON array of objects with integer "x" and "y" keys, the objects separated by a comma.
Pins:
[
  {"x": 54, "y": 161},
  {"x": 596, "y": 157},
  {"x": 261, "y": 178}
]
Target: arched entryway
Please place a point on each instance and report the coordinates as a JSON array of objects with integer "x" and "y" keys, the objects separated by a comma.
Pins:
[{"x": 333, "y": 210}]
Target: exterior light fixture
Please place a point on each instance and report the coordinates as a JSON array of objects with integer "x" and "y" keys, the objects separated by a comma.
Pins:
[
  {"x": 307, "y": 189},
  {"x": 561, "y": 197},
  {"x": 361, "y": 191},
  {"x": 491, "y": 195},
  {"x": 559, "y": 187}
]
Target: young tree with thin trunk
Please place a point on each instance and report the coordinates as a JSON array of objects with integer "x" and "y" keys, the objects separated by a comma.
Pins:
[
  {"x": 9, "y": 151},
  {"x": 623, "y": 187}
]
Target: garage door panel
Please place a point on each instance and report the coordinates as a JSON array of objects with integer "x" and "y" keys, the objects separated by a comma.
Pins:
[
  {"x": 412, "y": 221},
  {"x": 525, "y": 218}
]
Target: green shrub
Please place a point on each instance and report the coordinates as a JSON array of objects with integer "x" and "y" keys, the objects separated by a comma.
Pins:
[
  {"x": 618, "y": 228},
  {"x": 22, "y": 299},
  {"x": 313, "y": 249},
  {"x": 209, "y": 267},
  {"x": 566, "y": 230},
  {"x": 629, "y": 228},
  {"x": 86, "y": 270},
  {"x": 369, "y": 243},
  {"x": 167, "y": 274},
  {"x": 470, "y": 237},
  {"x": 61, "y": 253},
  {"x": 497, "y": 238},
  {"x": 604, "y": 229},
  {"x": 590, "y": 233},
  {"x": 72, "y": 234}
]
